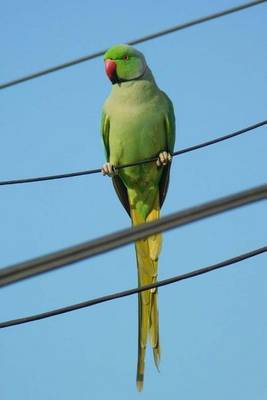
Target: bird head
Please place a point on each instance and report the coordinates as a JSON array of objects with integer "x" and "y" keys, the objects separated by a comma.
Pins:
[{"x": 124, "y": 63}]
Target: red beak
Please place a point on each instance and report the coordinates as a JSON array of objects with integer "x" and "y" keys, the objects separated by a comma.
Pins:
[{"x": 110, "y": 67}]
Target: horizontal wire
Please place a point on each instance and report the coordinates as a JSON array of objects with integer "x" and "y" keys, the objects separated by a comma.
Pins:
[
  {"x": 130, "y": 292},
  {"x": 98, "y": 170},
  {"x": 142, "y": 39},
  {"x": 121, "y": 238}
]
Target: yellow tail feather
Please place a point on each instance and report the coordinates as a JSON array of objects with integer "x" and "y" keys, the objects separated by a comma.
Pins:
[{"x": 147, "y": 253}]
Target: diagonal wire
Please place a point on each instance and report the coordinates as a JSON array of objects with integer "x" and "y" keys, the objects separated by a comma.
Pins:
[
  {"x": 98, "y": 170},
  {"x": 130, "y": 292},
  {"x": 142, "y": 39},
  {"x": 121, "y": 238}
]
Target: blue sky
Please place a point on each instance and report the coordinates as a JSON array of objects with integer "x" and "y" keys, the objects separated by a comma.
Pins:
[{"x": 213, "y": 328}]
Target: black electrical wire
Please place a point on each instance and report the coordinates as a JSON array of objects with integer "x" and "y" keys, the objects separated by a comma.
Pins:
[
  {"x": 121, "y": 238},
  {"x": 130, "y": 292},
  {"x": 155, "y": 35},
  {"x": 98, "y": 170}
]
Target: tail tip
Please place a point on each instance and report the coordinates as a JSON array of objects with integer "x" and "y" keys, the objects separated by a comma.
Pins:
[
  {"x": 140, "y": 382},
  {"x": 156, "y": 354}
]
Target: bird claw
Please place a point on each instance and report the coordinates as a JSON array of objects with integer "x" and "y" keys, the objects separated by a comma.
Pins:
[
  {"x": 109, "y": 170},
  {"x": 164, "y": 158}
]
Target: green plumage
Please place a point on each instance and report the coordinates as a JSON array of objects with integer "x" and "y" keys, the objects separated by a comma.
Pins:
[{"x": 138, "y": 123}]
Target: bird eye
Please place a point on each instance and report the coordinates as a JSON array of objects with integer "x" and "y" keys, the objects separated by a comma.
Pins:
[{"x": 125, "y": 57}]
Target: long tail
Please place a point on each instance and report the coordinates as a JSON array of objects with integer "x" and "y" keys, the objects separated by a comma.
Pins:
[{"x": 147, "y": 253}]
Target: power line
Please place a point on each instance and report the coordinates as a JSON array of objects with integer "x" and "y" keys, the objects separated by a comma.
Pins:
[
  {"x": 98, "y": 170},
  {"x": 130, "y": 292},
  {"x": 121, "y": 238},
  {"x": 142, "y": 39}
]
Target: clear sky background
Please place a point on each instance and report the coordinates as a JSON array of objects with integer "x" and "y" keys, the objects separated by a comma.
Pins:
[{"x": 214, "y": 327}]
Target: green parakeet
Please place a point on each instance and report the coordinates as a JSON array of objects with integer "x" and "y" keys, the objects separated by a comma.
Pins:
[{"x": 138, "y": 123}]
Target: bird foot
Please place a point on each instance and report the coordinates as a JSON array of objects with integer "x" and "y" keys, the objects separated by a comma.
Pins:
[
  {"x": 109, "y": 170},
  {"x": 164, "y": 158}
]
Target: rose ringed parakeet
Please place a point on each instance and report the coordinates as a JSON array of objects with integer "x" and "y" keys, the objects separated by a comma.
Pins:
[{"x": 138, "y": 123}]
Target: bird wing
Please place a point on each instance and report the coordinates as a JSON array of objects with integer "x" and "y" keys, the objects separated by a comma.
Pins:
[
  {"x": 169, "y": 124},
  {"x": 105, "y": 125},
  {"x": 118, "y": 184}
]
